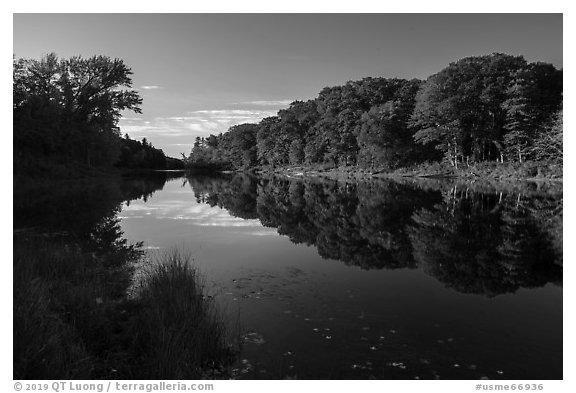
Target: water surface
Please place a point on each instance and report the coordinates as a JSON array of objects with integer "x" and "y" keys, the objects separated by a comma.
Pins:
[{"x": 324, "y": 279}]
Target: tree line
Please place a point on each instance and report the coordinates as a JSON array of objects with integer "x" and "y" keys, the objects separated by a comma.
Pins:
[
  {"x": 496, "y": 107},
  {"x": 66, "y": 114}
]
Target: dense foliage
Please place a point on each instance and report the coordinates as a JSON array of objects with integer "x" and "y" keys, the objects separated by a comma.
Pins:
[
  {"x": 66, "y": 114},
  {"x": 494, "y": 107}
]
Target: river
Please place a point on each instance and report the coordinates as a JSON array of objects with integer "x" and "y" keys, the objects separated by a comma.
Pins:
[{"x": 319, "y": 279}]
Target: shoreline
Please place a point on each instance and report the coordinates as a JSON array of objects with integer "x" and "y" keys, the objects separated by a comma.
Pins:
[
  {"x": 537, "y": 172},
  {"x": 475, "y": 178}
]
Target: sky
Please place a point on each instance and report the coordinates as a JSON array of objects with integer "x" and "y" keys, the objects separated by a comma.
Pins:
[{"x": 202, "y": 73}]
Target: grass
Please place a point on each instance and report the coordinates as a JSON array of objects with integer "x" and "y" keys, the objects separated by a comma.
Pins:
[
  {"x": 180, "y": 334},
  {"x": 73, "y": 318}
]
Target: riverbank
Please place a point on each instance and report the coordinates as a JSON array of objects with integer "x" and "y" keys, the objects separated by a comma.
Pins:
[
  {"x": 483, "y": 176},
  {"x": 527, "y": 171},
  {"x": 79, "y": 313}
]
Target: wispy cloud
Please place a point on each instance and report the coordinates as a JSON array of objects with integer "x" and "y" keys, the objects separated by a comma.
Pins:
[
  {"x": 267, "y": 103},
  {"x": 150, "y": 87},
  {"x": 194, "y": 213},
  {"x": 230, "y": 112},
  {"x": 178, "y": 131}
]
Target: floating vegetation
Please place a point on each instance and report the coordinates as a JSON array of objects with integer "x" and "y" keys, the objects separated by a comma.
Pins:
[
  {"x": 253, "y": 338},
  {"x": 365, "y": 366},
  {"x": 399, "y": 365},
  {"x": 245, "y": 367}
]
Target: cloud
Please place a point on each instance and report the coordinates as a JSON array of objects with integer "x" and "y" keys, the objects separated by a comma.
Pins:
[
  {"x": 172, "y": 132},
  {"x": 150, "y": 87},
  {"x": 262, "y": 232},
  {"x": 231, "y": 112},
  {"x": 268, "y": 103},
  {"x": 194, "y": 213},
  {"x": 233, "y": 116}
]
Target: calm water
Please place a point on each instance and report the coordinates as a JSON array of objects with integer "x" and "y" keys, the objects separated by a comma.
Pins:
[{"x": 320, "y": 279}]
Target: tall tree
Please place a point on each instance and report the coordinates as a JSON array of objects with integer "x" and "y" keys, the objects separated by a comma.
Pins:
[
  {"x": 460, "y": 108},
  {"x": 534, "y": 96},
  {"x": 68, "y": 109}
]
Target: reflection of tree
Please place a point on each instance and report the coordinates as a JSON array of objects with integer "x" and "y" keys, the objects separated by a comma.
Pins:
[
  {"x": 86, "y": 215},
  {"x": 486, "y": 243},
  {"x": 359, "y": 224},
  {"x": 482, "y": 244},
  {"x": 237, "y": 194},
  {"x": 73, "y": 316},
  {"x": 76, "y": 208}
]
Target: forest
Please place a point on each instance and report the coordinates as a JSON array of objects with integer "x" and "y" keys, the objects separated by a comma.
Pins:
[
  {"x": 66, "y": 114},
  {"x": 497, "y": 108}
]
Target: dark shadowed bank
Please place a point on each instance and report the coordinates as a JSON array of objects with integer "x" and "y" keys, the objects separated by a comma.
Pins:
[{"x": 88, "y": 305}]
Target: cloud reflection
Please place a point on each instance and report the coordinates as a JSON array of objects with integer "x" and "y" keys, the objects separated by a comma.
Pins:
[{"x": 196, "y": 214}]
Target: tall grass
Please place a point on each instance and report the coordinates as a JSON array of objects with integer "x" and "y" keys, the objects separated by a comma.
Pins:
[
  {"x": 180, "y": 333},
  {"x": 49, "y": 289},
  {"x": 73, "y": 318}
]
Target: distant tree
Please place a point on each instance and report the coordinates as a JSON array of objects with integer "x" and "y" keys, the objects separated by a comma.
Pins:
[
  {"x": 242, "y": 142},
  {"x": 296, "y": 152},
  {"x": 266, "y": 140},
  {"x": 212, "y": 141},
  {"x": 460, "y": 109}
]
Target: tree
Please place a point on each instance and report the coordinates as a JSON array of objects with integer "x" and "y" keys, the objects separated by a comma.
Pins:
[
  {"x": 533, "y": 98},
  {"x": 384, "y": 138},
  {"x": 459, "y": 109},
  {"x": 68, "y": 109},
  {"x": 549, "y": 143},
  {"x": 265, "y": 140}
]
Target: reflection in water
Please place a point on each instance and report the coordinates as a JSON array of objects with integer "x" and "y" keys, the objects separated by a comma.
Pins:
[
  {"x": 78, "y": 207},
  {"x": 384, "y": 310},
  {"x": 473, "y": 242},
  {"x": 82, "y": 313}
]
